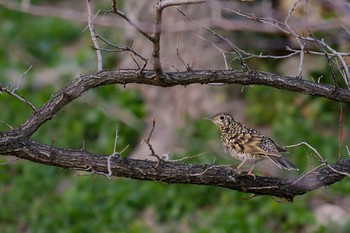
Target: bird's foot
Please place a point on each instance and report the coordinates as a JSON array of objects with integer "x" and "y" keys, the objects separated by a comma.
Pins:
[
  {"x": 245, "y": 172},
  {"x": 251, "y": 174}
]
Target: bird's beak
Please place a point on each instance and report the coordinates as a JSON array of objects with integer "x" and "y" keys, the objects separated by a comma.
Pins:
[{"x": 208, "y": 119}]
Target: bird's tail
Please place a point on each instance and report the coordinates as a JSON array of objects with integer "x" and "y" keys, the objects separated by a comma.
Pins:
[{"x": 282, "y": 162}]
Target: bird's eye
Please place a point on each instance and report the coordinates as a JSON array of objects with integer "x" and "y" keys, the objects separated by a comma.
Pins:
[{"x": 222, "y": 117}]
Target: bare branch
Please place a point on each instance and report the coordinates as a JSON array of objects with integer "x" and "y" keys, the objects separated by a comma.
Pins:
[
  {"x": 93, "y": 35},
  {"x": 170, "y": 172},
  {"x": 85, "y": 82}
]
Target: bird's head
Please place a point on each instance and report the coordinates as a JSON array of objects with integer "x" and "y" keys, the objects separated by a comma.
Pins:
[{"x": 222, "y": 120}]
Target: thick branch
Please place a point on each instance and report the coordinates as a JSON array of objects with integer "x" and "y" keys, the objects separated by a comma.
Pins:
[
  {"x": 83, "y": 83},
  {"x": 171, "y": 172}
]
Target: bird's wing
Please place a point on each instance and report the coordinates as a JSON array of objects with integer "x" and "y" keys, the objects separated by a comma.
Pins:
[{"x": 254, "y": 143}]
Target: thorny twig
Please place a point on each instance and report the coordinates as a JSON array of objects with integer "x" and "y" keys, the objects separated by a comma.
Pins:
[{"x": 94, "y": 35}]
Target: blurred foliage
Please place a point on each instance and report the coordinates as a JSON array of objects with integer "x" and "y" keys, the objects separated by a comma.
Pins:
[{"x": 39, "y": 198}]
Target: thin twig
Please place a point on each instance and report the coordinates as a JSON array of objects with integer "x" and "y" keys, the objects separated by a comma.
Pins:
[
  {"x": 93, "y": 35},
  {"x": 114, "y": 154},
  {"x": 53, "y": 139},
  {"x": 223, "y": 53},
  {"x": 20, "y": 80},
  {"x": 10, "y": 161},
  {"x": 307, "y": 173},
  {"x": 4, "y": 123},
  {"x": 227, "y": 41},
  {"x": 339, "y": 172},
  {"x": 167, "y": 3},
  {"x": 189, "y": 157},
  {"x": 301, "y": 44},
  {"x": 13, "y": 92},
  {"x": 285, "y": 28},
  {"x": 149, "y": 144},
  {"x": 187, "y": 66},
  {"x": 320, "y": 158},
  {"x": 124, "y": 49},
  {"x": 115, "y": 140},
  {"x": 20, "y": 98},
  {"x": 132, "y": 23}
]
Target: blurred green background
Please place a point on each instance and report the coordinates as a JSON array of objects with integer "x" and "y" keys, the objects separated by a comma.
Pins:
[{"x": 39, "y": 198}]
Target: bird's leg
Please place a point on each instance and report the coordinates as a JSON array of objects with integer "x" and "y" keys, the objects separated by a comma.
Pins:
[
  {"x": 251, "y": 169},
  {"x": 241, "y": 164}
]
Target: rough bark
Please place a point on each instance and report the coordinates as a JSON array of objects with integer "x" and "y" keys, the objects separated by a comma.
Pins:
[
  {"x": 172, "y": 172},
  {"x": 85, "y": 82}
]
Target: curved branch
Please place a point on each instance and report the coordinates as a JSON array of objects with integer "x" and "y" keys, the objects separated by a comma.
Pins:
[
  {"x": 172, "y": 172},
  {"x": 85, "y": 82}
]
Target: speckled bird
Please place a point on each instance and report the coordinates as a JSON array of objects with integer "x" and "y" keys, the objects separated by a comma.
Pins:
[{"x": 244, "y": 143}]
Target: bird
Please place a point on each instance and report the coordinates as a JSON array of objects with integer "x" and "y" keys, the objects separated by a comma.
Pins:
[{"x": 245, "y": 143}]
